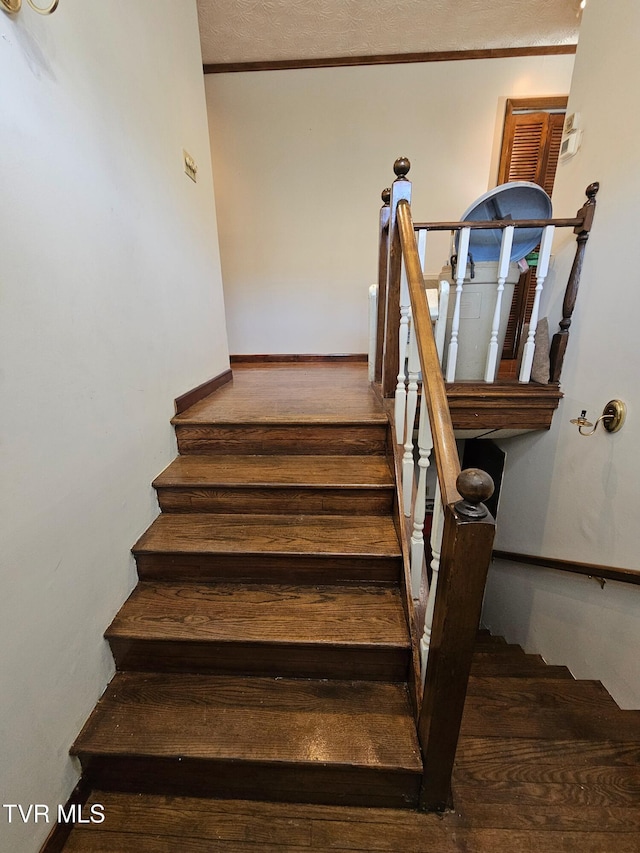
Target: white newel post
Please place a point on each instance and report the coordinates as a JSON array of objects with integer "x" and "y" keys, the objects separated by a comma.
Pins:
[
  {"x": 541, "y": 273},
  {"x": 403, "y": 333},
  {"x": 461, "y": 268},
  {"x": 425, "y": 444},
  {"x": 503, "y": 272},
  {"x": 437, "y": 527}
]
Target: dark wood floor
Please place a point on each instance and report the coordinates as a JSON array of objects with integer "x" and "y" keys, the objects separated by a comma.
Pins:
[{"x": 545, "y": 764}]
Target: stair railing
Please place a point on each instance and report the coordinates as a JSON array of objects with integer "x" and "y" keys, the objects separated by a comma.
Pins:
[
  {"x": 408, "y": 365},
  {"x": 581, "y": 225},
  {"x": 462, "y": 530}
]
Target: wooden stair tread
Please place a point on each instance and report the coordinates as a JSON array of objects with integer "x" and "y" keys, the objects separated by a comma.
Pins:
[
  {"x": 364, "y": 724},
  {"x": 280, "y": 394},
  {"x": 277, "y": 470},
  {"x": 562, "y": 709},
  {"x": 529, "y": 666},
  {"x": 198, "y": 533},
  {"x": 331, "y": 615}
]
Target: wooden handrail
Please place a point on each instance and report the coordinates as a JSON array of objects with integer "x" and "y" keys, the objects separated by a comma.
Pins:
[
  {"x": 462, "y": 531},
  {"x": 490, "y": 224},
  {"x": 595, "y": 570},
  {"x": 433, "y": 387}
]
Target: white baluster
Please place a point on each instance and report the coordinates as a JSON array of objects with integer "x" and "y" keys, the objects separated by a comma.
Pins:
[
  {"x": 441, "y": 323},
  {"x": 463, "y": 251},
  {"x": 422, "y": 247},
  {"x": 437, "y": 527},
  {"x": 503, "y": 272},
  {"x": 541, "y": 273},
  {"x": 401, "y": 390},
  {"x": 373, "y": 330},
  {"x": 425, "y": 444},
  {"x": 412, "y": 404}
]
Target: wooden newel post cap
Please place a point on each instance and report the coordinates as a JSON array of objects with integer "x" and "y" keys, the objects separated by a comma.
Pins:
[
  {"x": 401, "y": 168},
  {"x": 385, "y": 195},
  {"x": 475, "y": 486},
  {"x": 592, "y": 190}
]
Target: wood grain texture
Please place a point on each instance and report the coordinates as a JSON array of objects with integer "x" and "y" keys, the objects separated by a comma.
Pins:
[
  {"x": 356, "y": 615},
  {"x": 277, "y": 484},
  {"x": 139, "y": 822},
  {"x": 319, "y": 741},
  {"x": 486, "y": 665},
  {"x": 502, "y": 405},
  {"x": 319, "y": 632},
  {"x": 202, "y": 717},
  {"x": 189, "y": 398},
  {"x": 513, "y": 791},
  {"x": 303, "y": 472},
  {"x": 283, "y": 438},
  {"x": 291, "y": 393},
  {"x": 255, "y": 535}
]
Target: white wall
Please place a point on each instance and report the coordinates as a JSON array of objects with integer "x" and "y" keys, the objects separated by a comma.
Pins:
[
  {"x": 564, "y": 495},
  {"x": 111, "y": 307},
  {"x": 300, "y": 159}
]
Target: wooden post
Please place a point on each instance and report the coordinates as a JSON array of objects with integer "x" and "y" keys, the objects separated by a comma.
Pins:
[
  {"x": 561, "y": 338},
  {"x": 383, "y": 253},
  {"x": 400, "y": 189},
  {"x": 466, "y": 554}
]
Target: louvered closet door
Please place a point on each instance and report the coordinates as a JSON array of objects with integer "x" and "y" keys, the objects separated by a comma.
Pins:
[{"x": 530, "y": 151}]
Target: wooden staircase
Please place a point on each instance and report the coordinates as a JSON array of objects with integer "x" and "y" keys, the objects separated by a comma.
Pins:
[
  {"x": 265, "y": 652},
  {"x": 545, "y": 763}
]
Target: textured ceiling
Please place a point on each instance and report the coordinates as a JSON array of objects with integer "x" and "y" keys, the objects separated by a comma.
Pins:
[{"x": 267, "y": 30}]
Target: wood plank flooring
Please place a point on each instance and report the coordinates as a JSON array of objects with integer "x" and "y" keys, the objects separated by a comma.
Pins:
[
  {"x": 261, "y": 701},
  {"x": 513, "y": 791},
  {"x": 266, "y": 651}
]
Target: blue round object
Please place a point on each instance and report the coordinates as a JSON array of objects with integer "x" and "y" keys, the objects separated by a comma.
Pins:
[{"x": 515, "y": 200}]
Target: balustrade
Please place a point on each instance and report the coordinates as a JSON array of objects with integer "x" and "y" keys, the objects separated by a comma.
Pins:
[{"x": 410, "y": 323}]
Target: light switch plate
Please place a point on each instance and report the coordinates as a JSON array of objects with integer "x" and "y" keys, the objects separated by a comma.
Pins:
[{"x": 190, "y": 166}]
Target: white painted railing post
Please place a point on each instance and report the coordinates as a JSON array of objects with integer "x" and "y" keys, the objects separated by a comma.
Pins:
[
  {"x": 437, "y": 528},
  {"x": 412, "y": 405},
  {"x": 541, "y": 273},
  {"x": 425, "y": 445},
  {"x": 461, "y": 268},
  {"x": 503, "y": 272},
  {"x": 403, "y": 334},
  {"x": 441, "y": 323},
  {"x": 373, "y": 330},
  {"x": 422, "y": 247}
]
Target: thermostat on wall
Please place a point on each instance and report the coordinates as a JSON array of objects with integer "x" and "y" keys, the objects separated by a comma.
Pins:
[{"x": 570, "y": 144}]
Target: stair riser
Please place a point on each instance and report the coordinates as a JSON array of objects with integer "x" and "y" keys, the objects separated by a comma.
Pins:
[
  {"x": 248, "y": 780},
  {"x": 294, "y": 439},
  {"x": 267, "y": 568},
  {"x": 286, "y": 660},
  {"x": 277, "y": 500}
]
